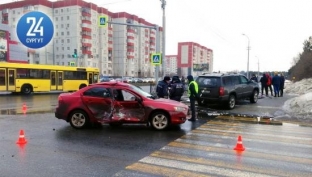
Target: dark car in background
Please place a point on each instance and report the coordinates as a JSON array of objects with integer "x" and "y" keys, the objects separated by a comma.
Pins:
[{"x": 226, "y": 89}]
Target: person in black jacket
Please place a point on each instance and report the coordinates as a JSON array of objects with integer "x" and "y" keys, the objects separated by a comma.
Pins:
[
  {"x": 254, "y": 78},
  {"x": 264, "y": 85},
  {"x": 177, "y": 89},
  {"x": 162, "y": 87},
  {"x": 282, "y": 85}
]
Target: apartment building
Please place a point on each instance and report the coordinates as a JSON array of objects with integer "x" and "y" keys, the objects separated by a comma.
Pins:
[
  {"x": 194, "y": 59},
  {"x": 138, "y": 42},
  {"x": 119, "y": 50},
  {"x": 171, "y": 63}
]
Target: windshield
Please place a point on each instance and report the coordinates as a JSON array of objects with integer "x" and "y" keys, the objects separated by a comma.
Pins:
[{"x": 140, "y": 91}]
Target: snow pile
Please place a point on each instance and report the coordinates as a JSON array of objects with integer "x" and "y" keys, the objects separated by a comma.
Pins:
[
  {"x": 300, "y": 87},
  {"x": 301, "y": 105}
]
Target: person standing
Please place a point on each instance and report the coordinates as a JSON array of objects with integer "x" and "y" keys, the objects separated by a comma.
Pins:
[
  {"x": 282, "y": 85},
  {"x": 269, "y": 83},
  {"x": 193, "y": 95},
  {"x": 162, "y": 87},
  {"x": 177, "y": 89},
  {"x": 276, "y": 81},
  {"x": 183, "y": 82},
  {"x": 264, "y": 81},
  {"x": 254, "y": 78}
]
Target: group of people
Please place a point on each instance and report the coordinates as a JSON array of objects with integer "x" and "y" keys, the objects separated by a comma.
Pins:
[
  {"x": 174, "y": 89},
  {"x": 277, "y": 81}
]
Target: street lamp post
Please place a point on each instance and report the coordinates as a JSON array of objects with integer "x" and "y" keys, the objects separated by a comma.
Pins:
[
  {"x": 258, "y": 66},
  {"x": 163, "y": 5},
  {"x": 248, "y": 48}
]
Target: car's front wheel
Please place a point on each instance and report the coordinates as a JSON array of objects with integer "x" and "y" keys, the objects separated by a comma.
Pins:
[
  {"x": 254, "y": 97},
  {"x": 78, "y": 119},
  {"x": 159, "y": 120}
]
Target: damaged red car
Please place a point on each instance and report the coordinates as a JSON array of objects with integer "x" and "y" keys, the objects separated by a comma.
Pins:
[{"x": 116, "y": 103}]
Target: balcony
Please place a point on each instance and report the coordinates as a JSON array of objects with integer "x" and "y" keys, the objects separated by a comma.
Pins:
[
  {"x": 86, "y": 52},
  {"x": 130, "y": 30},
  {"x": 86, "y": 29},
  {"x": 86, "y": 44},
  {"x": 85, "y": 14},
  {"x": 84, "y": 36},
  {"x": 86, "y": 20}
]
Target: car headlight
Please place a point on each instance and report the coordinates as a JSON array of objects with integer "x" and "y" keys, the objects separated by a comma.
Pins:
[{"x": 180, "y": 109}]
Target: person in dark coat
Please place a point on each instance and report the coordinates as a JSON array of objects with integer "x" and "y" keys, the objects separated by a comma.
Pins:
[
  {"x": 177, "y": 89},
  {"x": 282, "y": 85},
  {"x": 162, "y": 87},
  {"x": 193, "y": 95},
  {"x": 254, "y": 78},
  {"x": 276, "y": 82},
  {"x": 264, "y": 85}
]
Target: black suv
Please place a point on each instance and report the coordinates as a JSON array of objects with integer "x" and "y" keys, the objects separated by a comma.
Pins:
[{"x": 226, "y": 89}]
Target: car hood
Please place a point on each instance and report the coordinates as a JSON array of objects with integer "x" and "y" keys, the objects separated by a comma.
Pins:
[{"x": 170, "y": 102}]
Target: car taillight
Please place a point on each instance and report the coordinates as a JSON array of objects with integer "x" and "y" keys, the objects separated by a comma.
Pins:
[
  {"x": 221, "y": 91},
  {"x": 60, "y": 98}
]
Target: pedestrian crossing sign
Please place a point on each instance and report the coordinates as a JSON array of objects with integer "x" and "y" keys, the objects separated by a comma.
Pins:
[
  {"x": 156, "y": 58},
  {"x": 102, "y": 22}
]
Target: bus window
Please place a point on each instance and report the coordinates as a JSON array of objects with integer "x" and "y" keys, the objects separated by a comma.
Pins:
[
  {"x": 60, "y": 78},
  {"x": 2, "y": 77},
  {"x": 53, "y": 78},
  {"x": 11, "y": 77},
  {"x": 90, "y": 78},
  {"x": 96, "y": 78}
]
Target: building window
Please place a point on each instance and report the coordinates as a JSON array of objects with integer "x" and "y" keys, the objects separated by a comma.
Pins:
[
  {"x": 68, "y": 40},
  {"x": 68, "y": 18}
]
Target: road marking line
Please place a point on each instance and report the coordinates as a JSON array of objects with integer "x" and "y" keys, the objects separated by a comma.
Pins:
[
  {"x": 198, "y": 168},
  {"x": 225, "y": 148},
  {"x": 233, "y": 162},
  {"x": 162, "y": 170}
]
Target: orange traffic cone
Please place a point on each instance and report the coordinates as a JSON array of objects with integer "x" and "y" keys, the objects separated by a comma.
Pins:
[
  {"x": 21, "y": 139},
  {"x": 24, "y": 108},
  {"x": 239, "y": 145}
]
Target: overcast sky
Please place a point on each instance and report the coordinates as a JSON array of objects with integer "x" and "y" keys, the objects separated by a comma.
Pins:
[{"x": 276, "y": 28}]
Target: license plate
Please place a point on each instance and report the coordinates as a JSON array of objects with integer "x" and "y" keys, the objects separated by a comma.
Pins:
[{"x": 206, "y": 91}]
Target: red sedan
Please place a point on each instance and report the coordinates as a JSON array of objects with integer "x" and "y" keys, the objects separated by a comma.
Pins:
[{"x": 116, "y": 103}]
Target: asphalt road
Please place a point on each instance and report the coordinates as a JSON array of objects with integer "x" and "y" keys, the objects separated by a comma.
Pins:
[{"x": 205, "y": 148}]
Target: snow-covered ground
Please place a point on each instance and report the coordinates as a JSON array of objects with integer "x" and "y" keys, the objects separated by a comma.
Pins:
[{"x": 300, "y": 106}]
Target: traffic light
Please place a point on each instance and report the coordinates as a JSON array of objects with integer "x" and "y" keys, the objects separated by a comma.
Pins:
[{"x": 75, "y": 54}]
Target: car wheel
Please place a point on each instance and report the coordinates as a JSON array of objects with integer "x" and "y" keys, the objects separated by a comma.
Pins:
[
  {"x": 78, "y": 119},
  {"x": 254, "y": 97},
  {"x": 159, "y": 120},
  {"x": 231, "y": 102}
]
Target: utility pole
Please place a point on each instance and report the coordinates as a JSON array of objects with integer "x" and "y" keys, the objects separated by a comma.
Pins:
[
  {"x": 248, "y": 48},
  {"x": 163, "y": 5},
  {"x": 258, "y": 67}
]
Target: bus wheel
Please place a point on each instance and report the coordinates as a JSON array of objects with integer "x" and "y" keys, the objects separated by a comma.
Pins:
[
  {"x": 82, "y": 86},
  {"x": 26, "y": 89}
]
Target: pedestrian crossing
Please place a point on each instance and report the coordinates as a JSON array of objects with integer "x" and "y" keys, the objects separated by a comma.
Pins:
[{"x": 271, "y": 150}]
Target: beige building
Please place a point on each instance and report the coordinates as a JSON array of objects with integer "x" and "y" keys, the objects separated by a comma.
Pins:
[
  {"x": 194, "y": 59},
  {"x": 171, "y": 63},
  {"x": 120, "y": 50}
]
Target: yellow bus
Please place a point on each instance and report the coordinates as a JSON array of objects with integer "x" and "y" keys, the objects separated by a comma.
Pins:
[{"x": 28, "y": 78}]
